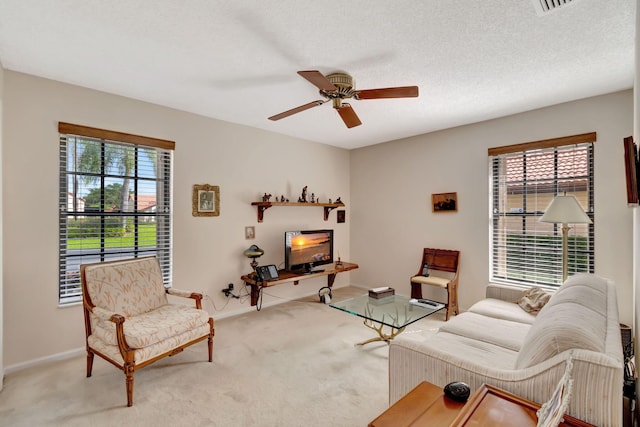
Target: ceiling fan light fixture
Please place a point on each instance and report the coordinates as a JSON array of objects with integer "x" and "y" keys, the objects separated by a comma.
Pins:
[
  {"x": 543, "y": 7},
  {"x": 339, "y": 86}
]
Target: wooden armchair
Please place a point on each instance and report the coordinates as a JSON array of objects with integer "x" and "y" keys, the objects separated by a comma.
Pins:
[
  {"x": 129, "y": 321},
  {"x": 441, "y": 260}
]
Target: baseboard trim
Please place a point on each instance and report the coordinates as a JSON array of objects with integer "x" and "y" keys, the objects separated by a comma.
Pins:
[
  {"x": 82, "y": 351},
  {"x": 44, "y": 360}
]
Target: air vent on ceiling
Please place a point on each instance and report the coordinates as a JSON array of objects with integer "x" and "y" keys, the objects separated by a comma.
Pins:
[{"x": 543, "y": 7}]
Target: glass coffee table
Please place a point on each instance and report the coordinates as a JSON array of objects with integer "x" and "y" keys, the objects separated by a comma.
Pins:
[{"x": 394, "y": 312}]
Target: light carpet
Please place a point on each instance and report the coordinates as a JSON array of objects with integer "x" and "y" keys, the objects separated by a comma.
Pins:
[{"x": 293, "y": 364}]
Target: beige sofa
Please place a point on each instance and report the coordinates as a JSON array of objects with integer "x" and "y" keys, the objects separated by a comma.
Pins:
[{"x": 498, "y": 343}]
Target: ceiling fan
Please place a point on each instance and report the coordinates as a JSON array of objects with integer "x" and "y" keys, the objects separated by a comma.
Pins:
[{"x": 338, "y": 86}]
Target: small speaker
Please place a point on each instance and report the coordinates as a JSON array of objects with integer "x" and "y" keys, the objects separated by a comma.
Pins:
[
  {"x": 324, "y": 294},
  {"x": 627, "y": 341}
]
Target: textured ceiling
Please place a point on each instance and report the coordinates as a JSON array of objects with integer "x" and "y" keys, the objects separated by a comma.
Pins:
[{"x": 236, "y": 60}]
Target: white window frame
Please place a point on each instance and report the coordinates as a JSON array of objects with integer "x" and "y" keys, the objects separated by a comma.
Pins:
[
  {"x": 71, "y": 205},
  {"x": 523, "y": 251}
]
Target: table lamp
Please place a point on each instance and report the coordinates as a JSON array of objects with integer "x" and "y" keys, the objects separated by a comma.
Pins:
[
  {"x": 565, "y": 210},
  {"x": 253, "y": 252}
]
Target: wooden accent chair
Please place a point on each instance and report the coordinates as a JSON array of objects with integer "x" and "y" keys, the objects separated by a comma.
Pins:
[
  {"x": 129, "y": 320},
  {"x": 442, "y": 260}
]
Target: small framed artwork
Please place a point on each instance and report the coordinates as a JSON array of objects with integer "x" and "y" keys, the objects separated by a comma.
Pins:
[
  {"x": 444, "y": 202},
  {"x": 250, "y": 232},
  {"x": 206, "y": 200},
  {"x": 341, "y": 216}
]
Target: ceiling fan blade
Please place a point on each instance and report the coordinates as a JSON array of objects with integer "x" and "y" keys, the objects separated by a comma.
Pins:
[
  {"x": 349, "y": 116},
  {"x": 297, "y": 110},
  {"x": 389, "y": 92},
  {"x": 317, "y": 79}
]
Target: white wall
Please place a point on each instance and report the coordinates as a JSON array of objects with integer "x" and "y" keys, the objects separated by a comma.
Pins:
[
  {"x": 636, "y": 213},
  {"x": 244, "y": 162},
  {"x": 1, "y": 238},
  {"x": 392, "y": 183},
  {"x": 387, "y": 189}
]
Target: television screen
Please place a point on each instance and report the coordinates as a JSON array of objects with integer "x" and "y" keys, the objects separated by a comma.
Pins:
[{"x": 307, "y": 248}]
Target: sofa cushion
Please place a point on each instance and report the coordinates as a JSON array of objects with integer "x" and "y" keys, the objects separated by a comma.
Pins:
[
  {"x": 500, "y": 309},
  {"x": 460, "y": 351},
  {"x": 563, "y": 326},
  {"x": 500, "y": 332},
  {"x": 585, "y": 279},
  {"x": 142, "y": 354},
  {"x": 127, "y": 287},
  {"x": 153, "y": 326}
]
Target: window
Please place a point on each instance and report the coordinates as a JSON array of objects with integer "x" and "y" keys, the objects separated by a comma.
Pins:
[
  {"x": 524, "y": 180},
  {"x": 115, "y": 201}
]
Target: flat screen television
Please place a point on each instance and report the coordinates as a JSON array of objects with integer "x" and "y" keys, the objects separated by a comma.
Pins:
[{"x": 305, "y": 249}]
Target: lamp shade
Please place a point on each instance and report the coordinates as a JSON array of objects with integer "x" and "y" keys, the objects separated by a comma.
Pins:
[
  {"x": 566, "y": 210},
  {"x": 253, "y": 252}
]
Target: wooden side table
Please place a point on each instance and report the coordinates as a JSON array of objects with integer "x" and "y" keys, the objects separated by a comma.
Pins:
[
  {"x": 491, "y": 406},
  {"x": 425, "y": 405}
]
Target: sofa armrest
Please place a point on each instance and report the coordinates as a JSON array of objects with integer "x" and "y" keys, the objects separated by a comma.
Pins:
[
  {"x": 504, "y": 292},
  {"x": 186, "y": 294},
  {"x": 412, "y": 361}
]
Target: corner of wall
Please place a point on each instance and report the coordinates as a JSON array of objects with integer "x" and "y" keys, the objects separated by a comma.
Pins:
[{"x": 1, "y": 243}]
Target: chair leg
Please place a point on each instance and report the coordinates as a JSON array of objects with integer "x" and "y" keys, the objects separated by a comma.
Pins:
[
  {"x": 128, "y": 371},
  {"x": 210, "y": 343},
  {"x": 416, "y": 290},
  {"x": 89, "y": 363},
  {"x": 452, "y": 300}
]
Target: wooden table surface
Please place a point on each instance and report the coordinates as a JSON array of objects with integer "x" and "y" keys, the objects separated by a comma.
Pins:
[
  {"x": 427, "y": 406},
  {"x": 424, "y": 405}
]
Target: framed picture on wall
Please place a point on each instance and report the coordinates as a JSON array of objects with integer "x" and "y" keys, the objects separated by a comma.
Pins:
[
  {"x": 444, "y": 202},
  {"x": 631, "y": 170},
  {"x": 206, "y": 200}
]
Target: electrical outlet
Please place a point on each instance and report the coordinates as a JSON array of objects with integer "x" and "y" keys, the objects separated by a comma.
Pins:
[{"x": 227, "y": 290}]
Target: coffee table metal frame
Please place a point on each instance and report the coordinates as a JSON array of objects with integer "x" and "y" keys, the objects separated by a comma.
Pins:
[{"x": 394, "y": 312}]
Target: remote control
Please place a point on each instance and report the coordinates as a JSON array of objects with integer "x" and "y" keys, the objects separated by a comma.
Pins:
[{"x": 425, "y": 303}]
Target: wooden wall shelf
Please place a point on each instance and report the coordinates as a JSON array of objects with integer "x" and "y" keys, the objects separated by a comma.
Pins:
[{"x": 263, "y": 206}]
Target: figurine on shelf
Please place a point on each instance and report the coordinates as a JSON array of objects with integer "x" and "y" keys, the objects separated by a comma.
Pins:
[
  {"x": 313, "y": 198},
  {"x": 338, "y": 263},
  {"x": 329, "y": 201},
  {"x": 338, "y": 201},
  {"x": 266, "y": 197},
  {"x": 282, "y": 198},
  {"x": 303, "y": 196}
]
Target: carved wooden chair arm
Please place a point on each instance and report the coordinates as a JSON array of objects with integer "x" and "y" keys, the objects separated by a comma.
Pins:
[
  {"x": 187, "y": 294},
  {"x": 116, "y": 318},
  {"x": 103, "y": 314}
]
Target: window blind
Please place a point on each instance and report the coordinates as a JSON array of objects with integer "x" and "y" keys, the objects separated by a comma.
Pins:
[
  {"x": 115, "y": 203},
  {"x": 523, "y": 250}
]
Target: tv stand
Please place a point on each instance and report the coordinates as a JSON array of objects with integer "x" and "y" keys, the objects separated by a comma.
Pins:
[{"x": 285, "y": 276}]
